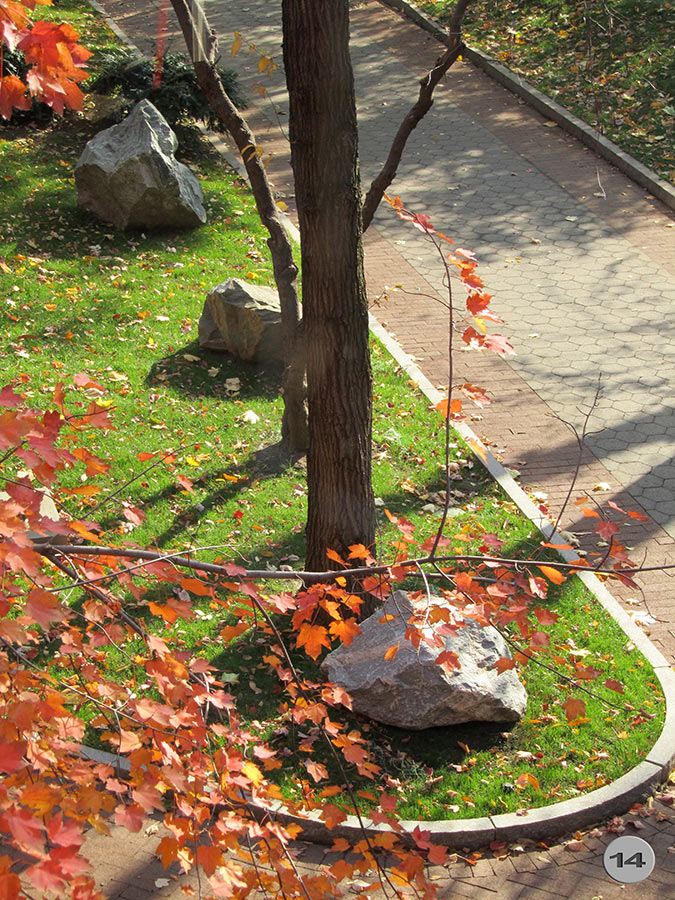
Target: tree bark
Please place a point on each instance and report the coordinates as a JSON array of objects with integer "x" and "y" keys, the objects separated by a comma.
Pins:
[
  {"x": 323, "y": 137},
  {"x": 203, "y": 48}
]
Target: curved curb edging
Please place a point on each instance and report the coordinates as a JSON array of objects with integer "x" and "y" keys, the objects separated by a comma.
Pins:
[
  {"x": 612, "y": 799},
  {"x": 537, "y": 824},
  {"x": 543, "y": 104},
  {"x": 545, "y": 822}
]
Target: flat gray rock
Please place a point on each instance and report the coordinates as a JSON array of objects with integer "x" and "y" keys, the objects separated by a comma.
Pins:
[
  {"x": 243, "y": 319},
  {"x": 128, "y": 175},
  {"x": 411, "y": 690}
]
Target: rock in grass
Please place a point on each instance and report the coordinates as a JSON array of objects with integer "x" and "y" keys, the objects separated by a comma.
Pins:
[
  {"x": 243, "y": 319},
  {"x": 128, "y": 175},
  {"x": 411, "y": 691}
]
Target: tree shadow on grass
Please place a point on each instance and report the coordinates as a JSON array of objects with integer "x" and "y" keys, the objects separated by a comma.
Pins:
[
  {"x": 409, "y": 757},
  {"x": 190, "y": 370},
  {"x": 400, "y": 753},
  {"x": 262, "y": 465}
]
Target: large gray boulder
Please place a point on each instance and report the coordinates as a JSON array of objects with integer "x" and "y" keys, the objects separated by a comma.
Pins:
[
  {"x": 243, "y": 319},
  {"x": 128, "y": 175},
  {"x": 411, "y": 690}
]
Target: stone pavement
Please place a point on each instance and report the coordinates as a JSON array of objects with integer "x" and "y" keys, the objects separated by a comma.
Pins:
[
  {"x": 126, "y": 868},
  {"x": 580, "y": 261}
]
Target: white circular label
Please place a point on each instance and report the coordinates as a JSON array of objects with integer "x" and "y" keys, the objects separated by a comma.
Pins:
[{"x": 629, "y": 859}]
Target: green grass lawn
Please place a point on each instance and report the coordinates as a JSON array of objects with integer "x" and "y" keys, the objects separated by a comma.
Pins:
[
  {"x": 78, "y": 296},
  {"x": 610, "y": 63},
  {"x": 472, "y": 770}
]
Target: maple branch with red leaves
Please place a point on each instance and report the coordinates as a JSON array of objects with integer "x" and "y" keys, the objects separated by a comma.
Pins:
[{"x": 56, "y": 62}]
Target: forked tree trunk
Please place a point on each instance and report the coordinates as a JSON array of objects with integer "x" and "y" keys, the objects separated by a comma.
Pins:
[
  {"x": 323, "y": 136},
  {"x": 334, "y": 336},
  {"x": 202, "y": 45}
]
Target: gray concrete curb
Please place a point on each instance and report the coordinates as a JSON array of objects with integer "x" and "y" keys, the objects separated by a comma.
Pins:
[
  {"x": 605, "y": 148},
  {"x": 537, "y": 824},
  {"x": 113, "y": 26},
  {"x": 610, "y": 800}
]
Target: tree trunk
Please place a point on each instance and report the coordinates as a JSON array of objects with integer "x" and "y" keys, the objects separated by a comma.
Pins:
[
  {"x": 202, "y": 45},
  {"x": 323, "y": 136}
]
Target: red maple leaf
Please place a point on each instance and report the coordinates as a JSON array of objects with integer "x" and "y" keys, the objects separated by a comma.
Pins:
[
  {"x": 476, "y": 394},
  {"x": 574, "y": 708},
  {"x": 11, "y": 756},
  {"x": 12, "y": 96}
]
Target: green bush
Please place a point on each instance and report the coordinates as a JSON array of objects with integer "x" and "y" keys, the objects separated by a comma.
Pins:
[{"x": 125, "y": 74}]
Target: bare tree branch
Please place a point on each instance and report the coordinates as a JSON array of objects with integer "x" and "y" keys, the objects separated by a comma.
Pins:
[
  {"x": 203, "y": 47},
  {"x": 150, "y": 556},
  {"x": 414, "y": 117}
]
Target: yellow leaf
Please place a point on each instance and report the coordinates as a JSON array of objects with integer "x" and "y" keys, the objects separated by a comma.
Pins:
[
  {"x": 478, "y": 449},
  {"x": 253, "y": 773},
  {"x": 553, "y": 574},
  {"x": 236, "y": 44}
]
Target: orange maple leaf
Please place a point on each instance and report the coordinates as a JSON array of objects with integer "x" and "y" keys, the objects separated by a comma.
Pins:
[
  {"x": 209, "y": 858},
  {"x": 552, "y": 574},
  {"x": 316, "y": 770},
  {"x": 345, "y": 629},
  {"x": 312, "y": 638},
  {"x": 12, "y": 96}
]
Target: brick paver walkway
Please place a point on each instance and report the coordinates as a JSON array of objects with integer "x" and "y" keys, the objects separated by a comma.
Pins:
[{"x": 581, "y": 262}]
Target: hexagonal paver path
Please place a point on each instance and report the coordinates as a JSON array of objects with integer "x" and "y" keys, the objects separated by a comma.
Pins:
[{"x": 582, "y": 304}]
